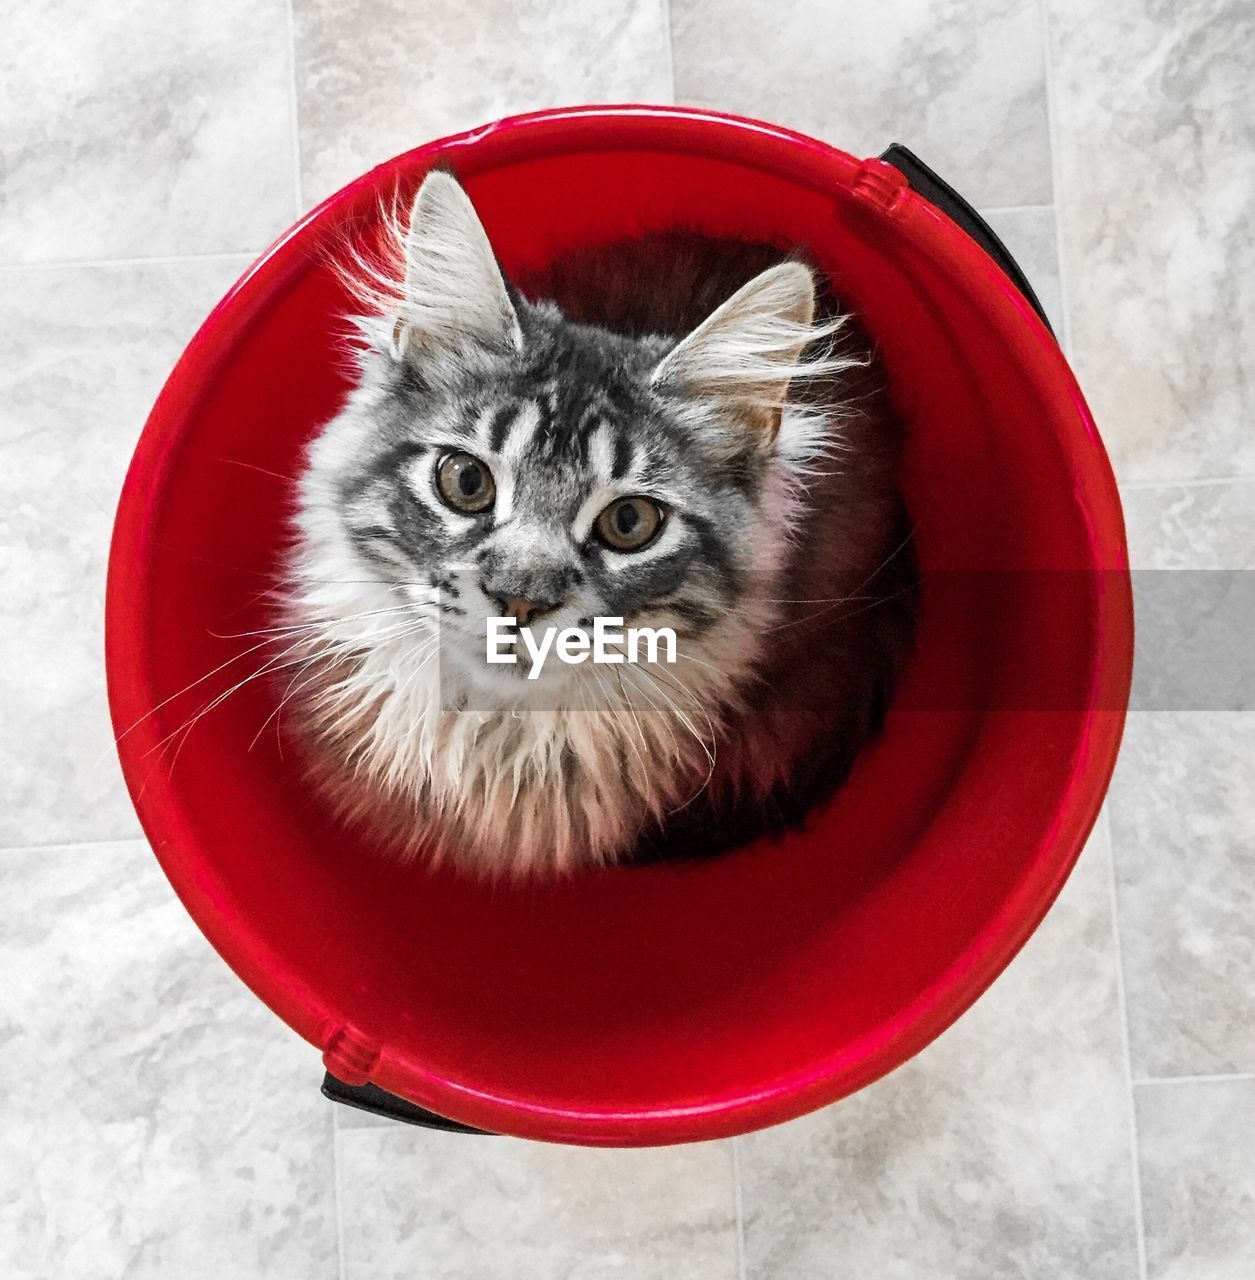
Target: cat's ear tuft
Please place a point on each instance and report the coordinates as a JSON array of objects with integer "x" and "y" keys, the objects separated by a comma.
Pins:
[
  {"x": 748, "y": 350},
  {"x": 454, "y": 292}
]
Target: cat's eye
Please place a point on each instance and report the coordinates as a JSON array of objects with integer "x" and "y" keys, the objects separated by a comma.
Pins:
[
  {"x": 629, "y": 524},
  {"x": 465, "y": 483}
]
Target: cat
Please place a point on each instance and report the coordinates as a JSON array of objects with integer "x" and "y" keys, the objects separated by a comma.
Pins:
[{"x": 671, "y": 430}]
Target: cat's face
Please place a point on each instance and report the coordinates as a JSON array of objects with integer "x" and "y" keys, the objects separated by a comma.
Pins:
[
  {"x": 512, "y": 464},
  {"x": 552, "y": 485}
]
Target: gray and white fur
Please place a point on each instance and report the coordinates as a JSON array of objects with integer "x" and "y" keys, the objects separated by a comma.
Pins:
[{"x": 697, "y": 376}]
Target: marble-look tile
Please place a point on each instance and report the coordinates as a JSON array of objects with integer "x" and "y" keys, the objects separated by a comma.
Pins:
[
  {"x": 963, "y": 85},
  {"x": 141, "y": 128},
  {"x": 1198, "y": 1179},
  {"x": 1191, "y": 526},
  {"x": 158, "y": 1120},
  {"x": 1193, "y": 551},
  {"x": 1183, "y": 822},
  {"x": 1156, "y": 142},
  {"x": 458, "y": 1207},
  {"x": 1003, "y": 1150},
  {"x": 1183, "y": 827},
  {"x": 378, "y": 78},
  {"x": 85, "y": 352},
  {"x": 1030, "y": 236}
]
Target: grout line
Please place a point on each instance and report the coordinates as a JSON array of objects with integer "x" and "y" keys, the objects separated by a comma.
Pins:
[
  {"x": 336, "y": 1192},
  {"x": 1192, "y": 482},
  {"x": 161, "y": 259},
  {"x": 295, "y": 113},
  {"x": 49, "y": 846},
  {"x": 666, "y": 13},
  {"x": 1220, "y": 1077},
  {"x": 1065, "y": 311},
  {"x": 1123, "y": 1007},
  {"x": 1056, "y": 173},
  {"x": 993, "y": 210},
  {"x": 738, "y": 1205}
]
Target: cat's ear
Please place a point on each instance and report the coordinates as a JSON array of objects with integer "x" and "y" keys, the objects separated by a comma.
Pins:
[
  {"x": 454, "y": 291},
  {"x": 745, "y": 353}
]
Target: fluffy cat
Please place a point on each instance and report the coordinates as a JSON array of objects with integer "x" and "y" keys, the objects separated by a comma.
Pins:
[{"x": 668, "y": 431}]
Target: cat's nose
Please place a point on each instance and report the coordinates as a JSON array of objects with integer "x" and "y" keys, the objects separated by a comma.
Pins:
[{"x": 526, "y": 611}]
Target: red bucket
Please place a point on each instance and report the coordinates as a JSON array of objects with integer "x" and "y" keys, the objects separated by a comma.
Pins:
[{"x": 668, "y": 1003}]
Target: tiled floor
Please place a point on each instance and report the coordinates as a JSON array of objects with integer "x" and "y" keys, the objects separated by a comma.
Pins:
[{"x": 1092, "y": 1118}]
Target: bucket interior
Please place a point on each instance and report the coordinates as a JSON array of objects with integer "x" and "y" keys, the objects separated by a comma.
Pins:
[{"x": 776, "y": 969}]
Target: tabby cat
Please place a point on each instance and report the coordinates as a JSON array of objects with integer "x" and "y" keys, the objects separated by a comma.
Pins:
[{"x": 671, "y": 430}]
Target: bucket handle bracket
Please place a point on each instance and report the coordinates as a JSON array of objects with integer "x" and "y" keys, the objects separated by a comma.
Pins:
[
  {"x": 939, "y": 193},
  {"x": 379, "y": 1102}
]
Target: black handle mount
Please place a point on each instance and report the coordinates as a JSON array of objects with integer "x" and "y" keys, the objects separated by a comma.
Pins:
[{"x": 937, "y": 191}]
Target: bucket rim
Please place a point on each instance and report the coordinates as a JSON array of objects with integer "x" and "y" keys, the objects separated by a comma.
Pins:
[{"x": 797, "y": 158}]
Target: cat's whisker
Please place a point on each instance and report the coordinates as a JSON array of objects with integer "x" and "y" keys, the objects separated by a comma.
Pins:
[
  {"x": 274, "y": 664},
  {"x": 631, "y": 706},
  {"x": 710, "y": 773},
  {"x": 701, "y": 662},
  {"x": 616, "y": 712},
  {"x": 711, "y": 755},
  {"x": 345, "y": 685},
  {"x": 185, "y": 729},
  {"x": 806, "y": 618},
  {"x": 321, "y": 625},
  {"x": 672, "y": 679},
  {"x": 688, "y": 724},
  {"x": 876, "y": 601},
  {"x": 816, "y": 599},
  {"x": 252, "y": 466},
  {"x": 303, "y": 667},
  {"x": 222, "y": 666},
  {"x": 427, "y": 651},
  {"x": 341, "y": 691},
  {"x": 289, "y": 693},
  {"x": 875, "y": 573},
  {"x": 661, "y": 715},
  {"x": 700, "y": 707},
  {"x": 187, "y": 688}
]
